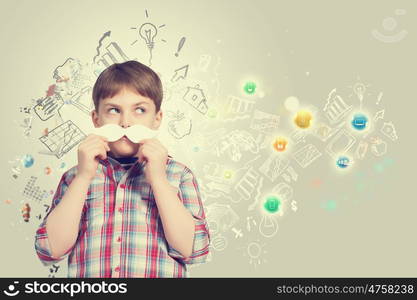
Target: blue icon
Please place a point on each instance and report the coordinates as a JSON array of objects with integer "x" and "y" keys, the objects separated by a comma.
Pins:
[
  {"x": 28, "y": 160},
  {"x": 343, "y": 162},
  {"x": 359, "y": 121}
]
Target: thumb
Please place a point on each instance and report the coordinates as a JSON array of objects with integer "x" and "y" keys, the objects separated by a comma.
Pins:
[{"x": 139, "y": 155}]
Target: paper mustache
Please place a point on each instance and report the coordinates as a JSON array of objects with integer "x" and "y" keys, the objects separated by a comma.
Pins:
[{"x": 135, "y": 133}]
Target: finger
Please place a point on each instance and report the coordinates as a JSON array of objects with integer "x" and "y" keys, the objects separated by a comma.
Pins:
[
  {"x": 147, "y": 153},
  {"x": 96, "y": 141},
  {"x": 151, "y": 141},
  {"x": 96, "y": 150},
  {"x": 156, "y": 149},
  {"x": 92, "y": 141},
  {"x": 95, "y": 136},
  {"x": 94, "y": 147},
  {"x": 141, "y": 156},
  {"x": 102, "y": 153},
  {"x": 156, "y": 141},
  {"x": 157, "y": 144},
  {"x": 106, "y": 145},
  {"x": 145, "y": 141},
  {"x": 103, "y": 137}
]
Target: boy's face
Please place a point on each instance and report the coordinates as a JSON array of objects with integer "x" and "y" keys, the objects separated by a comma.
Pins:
[{"x": 125, "y": 109}]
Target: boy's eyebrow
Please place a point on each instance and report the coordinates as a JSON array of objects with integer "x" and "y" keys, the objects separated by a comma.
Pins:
[{"x": 114, "y": 104}]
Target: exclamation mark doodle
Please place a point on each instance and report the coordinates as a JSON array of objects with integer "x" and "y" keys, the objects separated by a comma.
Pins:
[
  {"x": 182, "y": 41},
  {"x": 379, "y": 98}
]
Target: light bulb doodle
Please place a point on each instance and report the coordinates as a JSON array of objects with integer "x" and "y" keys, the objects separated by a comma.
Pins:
[
  {"x": 268, "y": 226},
  {"x": 148, "y": 33}
]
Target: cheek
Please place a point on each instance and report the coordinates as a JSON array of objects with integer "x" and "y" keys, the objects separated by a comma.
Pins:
[
  {"x": 145, "y": 120},
  {"x": 109, "y": 118}
]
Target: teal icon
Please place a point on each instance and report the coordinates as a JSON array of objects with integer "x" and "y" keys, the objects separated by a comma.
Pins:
[
  {"x": 343, "y": 162},
  {"x": 359, "y": 121}
]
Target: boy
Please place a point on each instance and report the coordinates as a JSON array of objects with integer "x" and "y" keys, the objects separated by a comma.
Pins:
[{"x": 126, "y": 209}]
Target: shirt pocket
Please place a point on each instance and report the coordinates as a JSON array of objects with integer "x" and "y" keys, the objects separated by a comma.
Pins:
[
  {"x": 146, "y": 203},
  {"x": 94, "y": 206},
  {"x": 142, "y": 191}
]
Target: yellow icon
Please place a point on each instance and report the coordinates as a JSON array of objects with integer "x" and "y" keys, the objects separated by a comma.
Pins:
[
  {"x": 303, "y": 119},
  {"x": 280, "y": 144},
  {"x": 228, "y": 174}
]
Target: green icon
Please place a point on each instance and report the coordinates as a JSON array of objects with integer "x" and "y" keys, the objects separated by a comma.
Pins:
[
  {"x": 330, "y": 205},
  {"x": 272, "y": 204},
  {"x": 212, "y": 113},
  {"x": 250, "y": 88}
]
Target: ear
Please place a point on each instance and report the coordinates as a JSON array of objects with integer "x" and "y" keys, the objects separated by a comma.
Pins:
[
  {"x": 157, "y": 121},
  {"x": 94, "y": 118}
]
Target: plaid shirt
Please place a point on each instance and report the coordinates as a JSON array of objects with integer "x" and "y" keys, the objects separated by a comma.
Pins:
[{"x": 121, "y": 233}]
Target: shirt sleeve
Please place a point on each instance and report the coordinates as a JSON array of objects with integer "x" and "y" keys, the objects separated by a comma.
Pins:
[
  {"x": 190, "y": 196},
  {"x": 42, "y": 247}
]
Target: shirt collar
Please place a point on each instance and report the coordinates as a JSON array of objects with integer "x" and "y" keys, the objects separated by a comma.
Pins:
[{"x": 112, "y": 161}]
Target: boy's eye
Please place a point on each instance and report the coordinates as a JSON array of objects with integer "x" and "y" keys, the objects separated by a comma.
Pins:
[
  {"x": 113, "y": 108},
  {"x": 140, "y": 109}
]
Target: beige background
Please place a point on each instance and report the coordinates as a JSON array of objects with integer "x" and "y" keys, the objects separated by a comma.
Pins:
[{"x": 372, "y": 230}]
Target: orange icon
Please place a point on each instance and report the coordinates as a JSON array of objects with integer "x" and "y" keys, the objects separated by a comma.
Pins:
[
  {"x": 280, "y": 144},
  {"x": 26, "y": 212},
  {"x": 48, "y": 170},
  {"x": 303, "y": 119}
]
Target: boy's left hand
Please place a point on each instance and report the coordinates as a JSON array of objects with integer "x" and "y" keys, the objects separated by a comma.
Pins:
[{"x": 155, "y": 155}]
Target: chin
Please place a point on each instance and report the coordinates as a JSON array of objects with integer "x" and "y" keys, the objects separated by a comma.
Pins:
[{"x": 124, "y": 149}]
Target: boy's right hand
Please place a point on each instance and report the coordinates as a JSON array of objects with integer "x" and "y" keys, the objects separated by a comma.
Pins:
[{"x": 89, "y": 150}]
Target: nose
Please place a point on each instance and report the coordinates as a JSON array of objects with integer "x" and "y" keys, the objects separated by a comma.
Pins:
[{"x": 124, "y": 120}]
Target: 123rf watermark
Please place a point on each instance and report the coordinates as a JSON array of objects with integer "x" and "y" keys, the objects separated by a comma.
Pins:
[{"x": 71, "y": 289}]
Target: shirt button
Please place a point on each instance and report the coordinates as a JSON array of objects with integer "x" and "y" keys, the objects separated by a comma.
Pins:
[
  {"x": 120, "y": 209},
  {"x": 122, "y": 186},
  {"x": 117, "y": 269},
  {"x": 119, "y": 239}
]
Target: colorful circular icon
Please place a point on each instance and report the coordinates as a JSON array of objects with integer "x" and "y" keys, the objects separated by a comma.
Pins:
[
  {"x": 272, "y": 204},
  {"x": 303, "y": 119},
  {"x": 250, "y": 87},
  {"x": 343, "y": 162},
  {"x": 28, "y": 161},
  {"x": 359, "y": 121},
  {"x": 280, "y": 144}
]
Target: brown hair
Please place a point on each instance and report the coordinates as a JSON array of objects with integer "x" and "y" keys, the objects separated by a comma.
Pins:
[{"x": 130, "y": 74}]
